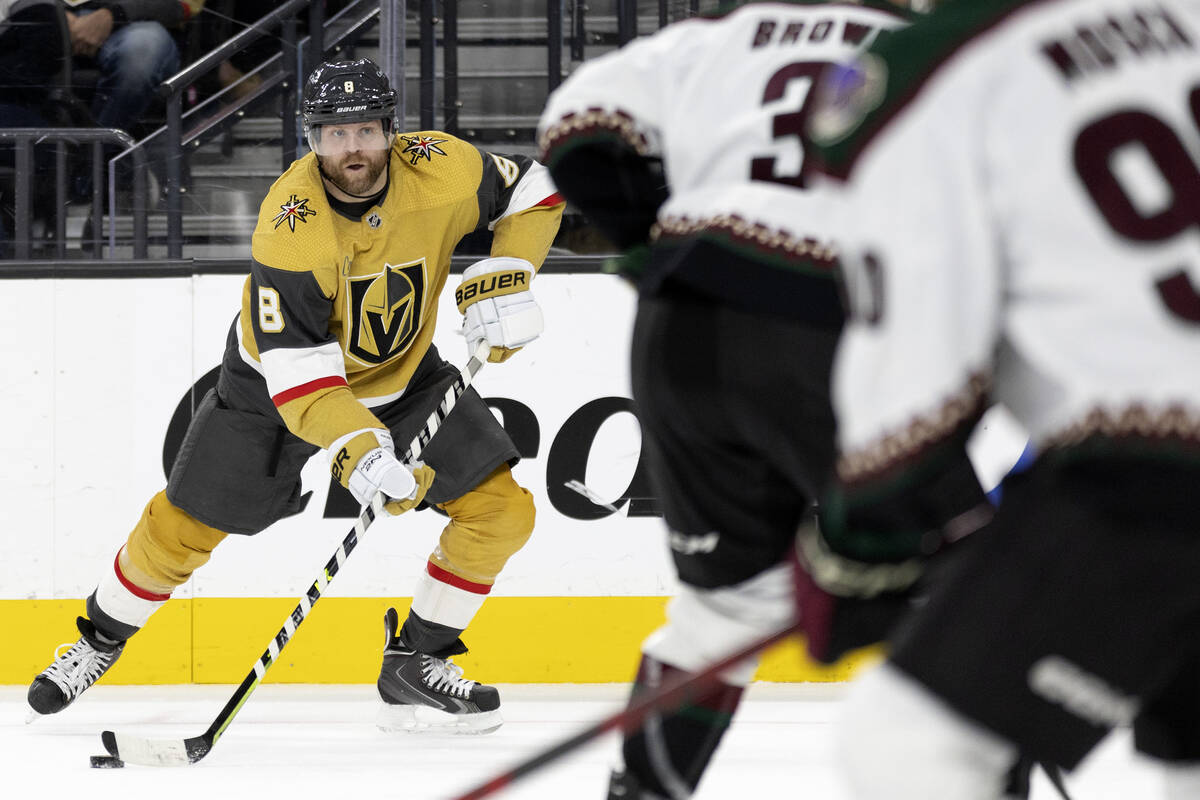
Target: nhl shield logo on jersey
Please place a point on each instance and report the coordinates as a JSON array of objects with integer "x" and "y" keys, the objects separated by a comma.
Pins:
[
  {"x": 294, "y": 209},
  {"x": 846, "y": 94},
  {"x": 418, "y": 147},
  {"x": 384, "y": 312}
]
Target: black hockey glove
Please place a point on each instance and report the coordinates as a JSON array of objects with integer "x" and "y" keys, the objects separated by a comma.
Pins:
[
  {"x": 843, "y": 603},
  {"x": 875, "y": 553},
  {"x": 618, "y": 190}
]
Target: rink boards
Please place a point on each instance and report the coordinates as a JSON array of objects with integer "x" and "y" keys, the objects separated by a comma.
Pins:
[{"x": 100, "y": 376}]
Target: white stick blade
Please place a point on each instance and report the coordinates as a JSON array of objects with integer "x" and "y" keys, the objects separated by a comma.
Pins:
[
  {"x": 152, "y": 752},
  {"x": 581, "y": 488}
]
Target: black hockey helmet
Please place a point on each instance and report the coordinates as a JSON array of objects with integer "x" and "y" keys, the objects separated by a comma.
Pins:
[{"x": 343, "y": 92}]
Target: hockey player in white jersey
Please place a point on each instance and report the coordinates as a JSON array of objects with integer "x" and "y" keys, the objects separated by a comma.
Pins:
[
  {"x": 685, "y": 149},
  {"x": 1019, "y": 184}
]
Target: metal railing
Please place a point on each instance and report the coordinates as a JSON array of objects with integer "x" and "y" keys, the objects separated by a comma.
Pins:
[
  {"x": 564, "y": 33},
  {"x": 556, "y": 264},
  {"x": 24, "y": 141},
  {"x": 567, "y": 31},
  {"x": 284, "y": 17}
]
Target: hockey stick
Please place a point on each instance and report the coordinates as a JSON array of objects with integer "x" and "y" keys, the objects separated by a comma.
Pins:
[
  {"x": 671, "y": 695},
  {"x": 180, "y": 752},
  {"x": 581, "y": 488},
  {"x": 1054, "y": 774}
]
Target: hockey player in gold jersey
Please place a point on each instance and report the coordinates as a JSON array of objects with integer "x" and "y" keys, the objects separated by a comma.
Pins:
[{"x": 333, "y": 350}]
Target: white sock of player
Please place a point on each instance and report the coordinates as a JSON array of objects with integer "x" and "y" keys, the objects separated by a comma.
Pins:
[
  {"x": 704, "y": 625},
  {"x": 899, "y": 741},
  {"x": 446, "y": 599},
  {"x": 120, "y": 607}
]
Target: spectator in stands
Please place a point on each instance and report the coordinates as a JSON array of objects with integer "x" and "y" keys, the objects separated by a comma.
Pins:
[
  {"x": 31, "y": 54},
  {"x": 231, "y": 71},
  {"x": 130, "y": 44},
  {"x": 242, "y": 14}
]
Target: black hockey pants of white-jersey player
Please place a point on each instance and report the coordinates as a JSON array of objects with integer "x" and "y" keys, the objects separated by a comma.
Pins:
[
  {"x": 333, "y": 350},
  {"x": 676, "y": 147},
  {"x": 1017, "y": 184}
]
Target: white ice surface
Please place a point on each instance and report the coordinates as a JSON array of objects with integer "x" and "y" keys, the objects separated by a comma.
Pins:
[{"x": 319, "y": 742}]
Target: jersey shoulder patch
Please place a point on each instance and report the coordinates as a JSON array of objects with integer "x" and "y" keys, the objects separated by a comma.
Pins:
[
  {"x": 426, "y": 146},
  {"x": 435, "y": 168},
  {"x": 295, "y": 229},
  {"x": 856, "y": 101},
  {"x": 295, "y": 199}
]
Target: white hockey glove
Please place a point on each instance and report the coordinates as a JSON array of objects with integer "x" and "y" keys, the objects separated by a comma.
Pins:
[
  {"x": 498, "y": 307},
  {"x": 378, "y": 470}
]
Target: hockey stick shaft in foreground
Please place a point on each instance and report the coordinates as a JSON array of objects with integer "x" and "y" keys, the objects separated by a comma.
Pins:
[
  {"x": 668, "y": 697},
  {"x": 671, "y": 695},
  {"x": 180, "y": 752}
]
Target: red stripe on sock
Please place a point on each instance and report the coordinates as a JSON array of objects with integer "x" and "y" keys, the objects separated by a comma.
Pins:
[
  {"x": 133, "y": 588},
  {"x": 439, "y": 574},
  {"x": 288, "y": 395}
]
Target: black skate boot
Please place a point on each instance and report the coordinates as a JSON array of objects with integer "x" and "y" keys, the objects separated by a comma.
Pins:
[
  {"x": 73, "y": 671},
  {"x": 426, "y": 691},
  {"x": 623, "y": 786}
]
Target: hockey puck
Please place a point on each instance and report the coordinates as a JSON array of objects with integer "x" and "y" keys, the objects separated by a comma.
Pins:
[{"x": 107, "y": 762}]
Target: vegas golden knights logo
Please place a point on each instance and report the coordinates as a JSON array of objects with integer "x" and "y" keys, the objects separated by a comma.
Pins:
[{"x": 384, "y": 312}]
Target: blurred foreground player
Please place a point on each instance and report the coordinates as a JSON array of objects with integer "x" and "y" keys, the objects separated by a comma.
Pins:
[
  {"x": 684, "y": 149},
  {"x": 333, "y": 350},
  {"x": 1020, "y": 187}
]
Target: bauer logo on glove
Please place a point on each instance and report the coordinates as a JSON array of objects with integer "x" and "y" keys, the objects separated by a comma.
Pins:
[
  {"x": 498, "y": 307},
  {"x": 494, "y": 285},
  {"x": 376, "y": 469}
]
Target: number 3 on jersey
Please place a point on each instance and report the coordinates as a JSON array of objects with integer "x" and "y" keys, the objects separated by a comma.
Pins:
[
  {"x": 270, "y": 314},
  {"x": 788, "y": 125},
  {"x": 1097, "y": 148}
]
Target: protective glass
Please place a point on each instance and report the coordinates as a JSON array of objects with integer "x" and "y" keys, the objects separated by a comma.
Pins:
[{"x": 350, "y": 137}]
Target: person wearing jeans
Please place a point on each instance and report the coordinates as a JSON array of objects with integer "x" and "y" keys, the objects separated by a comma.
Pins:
[{"x": 130, "y": 43}]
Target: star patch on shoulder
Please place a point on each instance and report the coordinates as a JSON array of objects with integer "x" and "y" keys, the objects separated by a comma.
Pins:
[
  {"x": 419, "y": 147},
  {"x": 846, "y": 94},
  {"x": 293, "y": 210}
]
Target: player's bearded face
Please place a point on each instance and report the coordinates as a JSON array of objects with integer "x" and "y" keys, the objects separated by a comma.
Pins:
[{"x": 353, "y": 156}]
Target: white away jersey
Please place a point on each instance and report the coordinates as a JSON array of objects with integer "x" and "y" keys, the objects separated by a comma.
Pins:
[
  {"x": 736, "y": 162},
  {"x": 1020, "y": 218}
]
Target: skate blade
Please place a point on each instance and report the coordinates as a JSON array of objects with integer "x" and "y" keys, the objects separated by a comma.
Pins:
[{"x": 426, "y": 720}]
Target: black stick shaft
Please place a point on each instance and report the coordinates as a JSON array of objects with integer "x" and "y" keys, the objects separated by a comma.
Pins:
[{"x": 283, "y": 636}]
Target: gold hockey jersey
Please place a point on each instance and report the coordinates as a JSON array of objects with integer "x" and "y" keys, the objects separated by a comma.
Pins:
[{"x": 338, "y": 312}]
